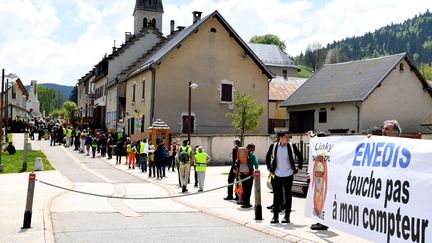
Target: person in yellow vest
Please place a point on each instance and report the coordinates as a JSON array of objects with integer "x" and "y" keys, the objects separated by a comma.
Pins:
[
  {"x": 184, "y": 159},
  {"x": 201, "y": 160},
  {"x": 94, "y": 146},
  {"x": 68, "y": 136}
]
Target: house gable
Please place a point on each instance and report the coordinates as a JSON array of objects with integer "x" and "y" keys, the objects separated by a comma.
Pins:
[{"x": 209, "y": 56}]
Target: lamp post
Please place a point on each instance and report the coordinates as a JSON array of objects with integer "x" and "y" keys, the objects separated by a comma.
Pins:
[{"x": 191, "y": 86}]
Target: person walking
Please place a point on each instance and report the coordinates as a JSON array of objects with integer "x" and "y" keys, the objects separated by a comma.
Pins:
[
  {"x": 201, "y": 160},
  {"x": 194, "y": 151},
  {"x": 83, "y": 137},
  {"x": 280, "y": 161},
  {"x": 232, "y": 173},
  {"x": 151, "y": 161},
  {"x": 173, "y": 153},
  {"x": 143, "y": 155},
  {"x": 103, "y": 145},
  {"x": 161, "y": 158},
  {"x": 94, "y": 146},
  {"x": 131, "y": 155},
  {"x": 128, "y": 142},
  {"x": 110, "y": 144},
  {"x": 119, "y": 151},
  {"x": 245, "y": 171},
  {"x": 76, "y": 139},
  {"x": 88, "y": 142},
  {"x": 184, "y": 158}
]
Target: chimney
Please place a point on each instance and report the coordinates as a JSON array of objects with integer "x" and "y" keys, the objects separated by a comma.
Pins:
[
  {"x": 172, "y": 25},
  {"x": 196, "y": 16},
  {"x": 128, "y": 36},
  {"x": 114, "y": 48}
]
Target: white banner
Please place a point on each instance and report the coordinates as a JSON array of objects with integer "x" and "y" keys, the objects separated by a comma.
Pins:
[{"x": 378, "y": 188}]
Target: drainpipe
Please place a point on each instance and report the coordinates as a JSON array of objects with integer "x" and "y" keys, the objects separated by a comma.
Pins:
[
  {"x": 153, "y": 88},
  {"x": 358, "y": 116}
]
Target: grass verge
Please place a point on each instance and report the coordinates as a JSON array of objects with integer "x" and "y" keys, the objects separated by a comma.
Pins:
[{"x": 13, "y": 163}]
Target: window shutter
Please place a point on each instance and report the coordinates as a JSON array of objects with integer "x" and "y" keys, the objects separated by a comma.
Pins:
[{"x": 226, "y": 93}]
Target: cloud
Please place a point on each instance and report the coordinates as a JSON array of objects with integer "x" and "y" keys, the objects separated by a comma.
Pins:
[{"x": 56, "y": 41}]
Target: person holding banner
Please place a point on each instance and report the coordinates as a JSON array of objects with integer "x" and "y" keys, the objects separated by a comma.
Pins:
[
  {"x": 280, "y": 157},
  {"x": 391, "y": 128}
]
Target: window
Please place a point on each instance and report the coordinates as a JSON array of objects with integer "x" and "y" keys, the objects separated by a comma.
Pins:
[
  {"x": 144, "y": 22},
  {"x": 133, "y": 92},
  {"x": 132, "y": 125},
  {"x": 226, "y": 95},
  {"x": 322, "y": 116},
  {"x": 143, "y": 89},
  {"x": 13, "y": 92},
  {"x": 185, "y": 124},
  {"x": 401, "y": 67},
  {"x": 285, "y": 73}
]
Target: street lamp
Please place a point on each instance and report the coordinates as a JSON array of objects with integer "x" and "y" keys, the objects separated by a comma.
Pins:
[{"x": 191, "y": 86}]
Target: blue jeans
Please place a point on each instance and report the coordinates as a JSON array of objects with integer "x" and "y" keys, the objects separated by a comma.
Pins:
[{"x": 143, "y": 161}]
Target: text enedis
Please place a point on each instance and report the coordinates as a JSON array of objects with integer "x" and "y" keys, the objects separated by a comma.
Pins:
[{"x": 381, "y": 154}]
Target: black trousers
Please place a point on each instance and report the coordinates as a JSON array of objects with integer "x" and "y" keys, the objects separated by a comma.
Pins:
[
  {"x": 109, "y": 152},
  {"x": 247, "y": 188},
  {"x": 231, "y": 178},
  {"x": 282, "y": 185}
]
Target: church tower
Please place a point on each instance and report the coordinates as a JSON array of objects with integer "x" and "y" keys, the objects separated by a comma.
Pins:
[{"x": 148, "y": 13}]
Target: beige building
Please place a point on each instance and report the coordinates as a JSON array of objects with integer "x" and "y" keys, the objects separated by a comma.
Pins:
[
  {"x": 358, "y": 96},
  {"x": 208, "y": 53}
]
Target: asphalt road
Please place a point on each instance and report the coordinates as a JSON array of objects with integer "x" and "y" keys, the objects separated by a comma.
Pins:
[{"x": 81, "y": 218}]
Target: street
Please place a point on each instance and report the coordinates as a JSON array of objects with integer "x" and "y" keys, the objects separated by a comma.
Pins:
[{"x": 81, "y": 218}]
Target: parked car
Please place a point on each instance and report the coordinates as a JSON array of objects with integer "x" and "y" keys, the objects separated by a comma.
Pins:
[{"x": 301, "y": 181}]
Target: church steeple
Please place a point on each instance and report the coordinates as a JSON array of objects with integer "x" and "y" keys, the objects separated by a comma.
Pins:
[{"x": 148, "y": 13}]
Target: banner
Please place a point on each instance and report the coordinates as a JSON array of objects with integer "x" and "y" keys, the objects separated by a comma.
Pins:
[{"x": 378, "y": 188}]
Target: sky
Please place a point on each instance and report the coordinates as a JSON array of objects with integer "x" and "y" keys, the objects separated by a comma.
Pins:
[{"x": 59, "y": 41}]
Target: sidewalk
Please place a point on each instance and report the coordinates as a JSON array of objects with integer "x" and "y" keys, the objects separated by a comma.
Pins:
[
  {"x": 14, "y": 189},
  {"x": 13, "y": 197}
]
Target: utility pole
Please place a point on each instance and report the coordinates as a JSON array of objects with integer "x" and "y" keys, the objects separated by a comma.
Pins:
[{"x": 1, "y": 114}]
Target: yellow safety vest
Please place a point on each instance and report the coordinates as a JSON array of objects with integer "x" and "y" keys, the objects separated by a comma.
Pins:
[
  {"x": 128, "y": 148},
  {"x": 201, "y": 161},
  {"x": 69, "y": 133}
]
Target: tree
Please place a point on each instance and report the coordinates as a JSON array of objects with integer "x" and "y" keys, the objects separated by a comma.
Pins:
[
  {"x": 74, "y": 95},
  {"x": 315, "y": 56},
  {"x": 246, "y": 114},
  {"x": 268, "y": 39},
  {"x": 58, "y": 113},
  {"x": 46, "y": 98},
  {"x": 70, "y": 107}
]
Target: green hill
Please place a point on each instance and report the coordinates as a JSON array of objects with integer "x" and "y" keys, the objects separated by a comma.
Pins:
[{"x": 413, "y": 36}]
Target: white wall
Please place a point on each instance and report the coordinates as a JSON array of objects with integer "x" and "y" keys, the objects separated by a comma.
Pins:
[{"x": 401, "y": 96}]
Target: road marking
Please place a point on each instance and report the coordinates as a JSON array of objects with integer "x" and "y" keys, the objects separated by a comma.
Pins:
[{"x": 119, "y": 189}]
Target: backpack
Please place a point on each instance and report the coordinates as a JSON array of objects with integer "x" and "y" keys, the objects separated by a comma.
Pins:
[
  {"x": 243, "y": 160},
  {"x": 165, "y": 154},
  {"x": 184, "y": 155}
]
